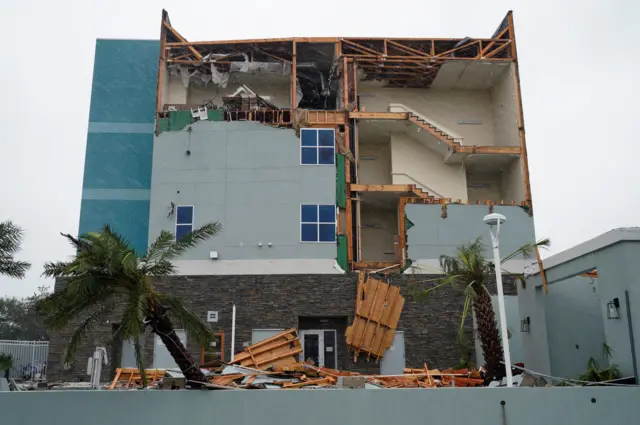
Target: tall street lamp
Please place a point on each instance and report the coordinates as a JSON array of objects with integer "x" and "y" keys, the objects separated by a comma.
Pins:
[{"x": 494, "y": 221}]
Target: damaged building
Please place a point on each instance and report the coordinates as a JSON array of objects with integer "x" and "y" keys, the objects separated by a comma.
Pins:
[{"x": 321, "y": 157}]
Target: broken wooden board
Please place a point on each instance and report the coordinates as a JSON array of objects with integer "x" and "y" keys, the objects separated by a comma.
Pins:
[
  {"x": 131, "y": 378},
  {"x": 378, "y": 310},
  {"x": 279, "y": 350}
]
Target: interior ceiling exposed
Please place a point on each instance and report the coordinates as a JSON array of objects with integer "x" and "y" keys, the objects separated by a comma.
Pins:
[
  {"x": 469, "y": 75},
  {"x": 400, "y": 62},
  {"x": 486, "y": 164}
]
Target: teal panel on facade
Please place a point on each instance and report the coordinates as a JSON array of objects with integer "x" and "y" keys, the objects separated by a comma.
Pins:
[
  {"x": 129, "y": 218},
  {"x": 118, "y": 161},
  {"x": 124, "y": 81}
]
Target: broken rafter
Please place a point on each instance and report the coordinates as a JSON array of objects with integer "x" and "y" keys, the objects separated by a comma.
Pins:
[
  {"x": 406, "y": 49},
  {"x": 182, "y": 39}
]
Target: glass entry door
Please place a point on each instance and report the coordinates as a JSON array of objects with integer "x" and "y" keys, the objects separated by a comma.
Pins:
[{"x": 320, "y": 347}]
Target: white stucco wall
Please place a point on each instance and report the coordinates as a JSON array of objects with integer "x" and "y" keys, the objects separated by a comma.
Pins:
[
  {"x": 378, "y": 228},
  {"x": 446, "y": 107},
  {"x": 504, "y": 109},
  {"x": 375, "y": 163},
  {"x": 408, "y": 156}
]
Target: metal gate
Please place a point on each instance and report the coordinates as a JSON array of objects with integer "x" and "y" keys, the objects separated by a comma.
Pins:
[{"x": 29, "y": 358}]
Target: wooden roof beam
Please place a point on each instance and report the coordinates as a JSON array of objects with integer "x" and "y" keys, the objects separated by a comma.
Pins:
[{"x": 182, "y": 39}]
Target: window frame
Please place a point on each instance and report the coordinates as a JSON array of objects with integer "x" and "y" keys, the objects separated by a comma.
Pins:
[
  {"x": 176, "y": 224},
  {"x": 318, "y": 147},
  {"x": 318, "y": 223}
]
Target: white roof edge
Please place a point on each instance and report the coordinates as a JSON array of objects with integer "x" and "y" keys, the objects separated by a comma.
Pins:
[{"x": 599, "y": 242}]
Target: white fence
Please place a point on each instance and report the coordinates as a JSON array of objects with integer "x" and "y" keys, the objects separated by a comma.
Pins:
[{"x": 29, "y": 358}]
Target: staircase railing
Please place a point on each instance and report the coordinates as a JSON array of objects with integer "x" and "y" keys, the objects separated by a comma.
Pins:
[{"x": 428, "y": 189}]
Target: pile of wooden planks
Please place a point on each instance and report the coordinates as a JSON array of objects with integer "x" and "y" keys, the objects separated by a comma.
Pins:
[
  {"x": 131, "y": 378},
  {"x": 279, "y": 350},
  {"x": 378, "y": 309},
  {"x": 425, "y": 378}
]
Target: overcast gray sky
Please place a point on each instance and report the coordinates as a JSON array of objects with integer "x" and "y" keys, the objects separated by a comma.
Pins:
[{"x": 578, "y": 60}]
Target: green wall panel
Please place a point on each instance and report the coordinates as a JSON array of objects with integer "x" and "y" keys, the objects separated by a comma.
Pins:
[
  {"x": 341, "y": 184},
  {"x": 342, "y": 252}
]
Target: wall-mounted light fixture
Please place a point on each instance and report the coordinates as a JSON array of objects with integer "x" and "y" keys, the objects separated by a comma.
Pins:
[
  {"x": 613, "y": 309},
  {"x": 525, "y": 324}
]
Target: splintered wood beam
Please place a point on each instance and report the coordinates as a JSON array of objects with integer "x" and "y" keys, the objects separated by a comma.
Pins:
[
  {"x": 161, "y": 64},
  {"x": 381, "y": 187},
  {"x": 402, "y": 230},
  {"x": 349, "y": 206},
  {"x": 379, "y": 115},
  {"x": 494, "y": 150},
  {"x": 182, "y": 39},
  {"x": 376, "y": 265},
  {"x": 294, "y": 77},
  {"x": 521, "y": 131}
]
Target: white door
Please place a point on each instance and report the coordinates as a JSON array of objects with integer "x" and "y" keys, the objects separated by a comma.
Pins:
[
  {"x": 393, "y": 361},
  {"x": 128, "y": 354},
  {"x": 320, "y": 346},
  {"x": 161, "y": 357}
]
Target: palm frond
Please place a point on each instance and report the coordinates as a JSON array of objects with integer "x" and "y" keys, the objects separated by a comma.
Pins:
[
  {"x": 157, "y": 248},
  {"x": 85, "y": 326},
  {"x": 56, "y": 269},
  {"x": 191, "y": 240},
  {"x": 527, "y": 250},
  {"x": 13, "y": 268},
  {"x": 187, "y": 319},
  {"x": 462, "y": 336},
  {"x": 137, "y": 349}
]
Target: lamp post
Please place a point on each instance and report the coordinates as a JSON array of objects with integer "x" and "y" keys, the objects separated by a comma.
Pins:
[{"x": 494, "y": 221}]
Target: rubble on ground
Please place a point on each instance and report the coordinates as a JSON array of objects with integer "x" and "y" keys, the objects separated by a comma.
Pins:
[{"x": 273, "y": 364}]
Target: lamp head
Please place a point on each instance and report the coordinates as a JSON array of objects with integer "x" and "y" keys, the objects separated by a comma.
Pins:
[{"x": 494, "y": 219}]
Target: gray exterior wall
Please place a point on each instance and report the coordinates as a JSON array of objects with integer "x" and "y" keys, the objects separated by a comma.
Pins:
[
  {"x": 432, "y": 235},
  {"x": 248, "y": 177},
  {"x": 279, "y": 302},
  {"x": 478, "y": 406},
  {"x": 575, "y": 329},
  {"x": 548, "y": 345}
]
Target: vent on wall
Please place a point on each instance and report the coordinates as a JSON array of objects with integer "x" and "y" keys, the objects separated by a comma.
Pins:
[
  {"x": 368, "y": 158},
  {"x": 478, "y": 185}
]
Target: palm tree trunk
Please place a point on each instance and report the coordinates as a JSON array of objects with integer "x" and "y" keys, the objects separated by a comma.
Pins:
[
  {"x": 163, "y": 327},
  {"x": 489, "y": 335}
]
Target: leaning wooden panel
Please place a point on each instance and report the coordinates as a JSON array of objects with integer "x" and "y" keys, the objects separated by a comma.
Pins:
[{"x": 373, "y": 328}]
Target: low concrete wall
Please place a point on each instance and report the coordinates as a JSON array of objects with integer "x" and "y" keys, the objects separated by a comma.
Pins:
[{"x": 520, "y": 406}]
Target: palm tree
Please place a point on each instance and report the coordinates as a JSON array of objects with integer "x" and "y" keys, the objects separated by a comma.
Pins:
[
  {"x": 469, "y": 270},
  {"x": 10, "y": 240},
  {"x": 106, "y": 273}
]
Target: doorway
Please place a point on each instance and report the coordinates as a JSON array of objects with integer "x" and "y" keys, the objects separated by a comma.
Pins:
[{"x": 319, "y": 345}]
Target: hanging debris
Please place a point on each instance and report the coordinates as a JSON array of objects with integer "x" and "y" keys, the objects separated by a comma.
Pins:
[{"x": 378, "y": 309}]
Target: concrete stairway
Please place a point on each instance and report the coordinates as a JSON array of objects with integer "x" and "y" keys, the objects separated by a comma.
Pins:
[{"x": 438, "y": 131}]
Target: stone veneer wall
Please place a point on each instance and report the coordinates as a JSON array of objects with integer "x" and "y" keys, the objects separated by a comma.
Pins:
[{"x": 277, "y": 301}]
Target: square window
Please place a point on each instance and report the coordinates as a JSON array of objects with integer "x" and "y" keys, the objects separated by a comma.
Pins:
[
  {"x": 317, "y": 146},
  {"x": 309, "y": 137},
  {"x": 309, "y": 156},
  {"x": 327, "y": 232},
  {"x": 326, "y": 138},
  {"x": 184, "y": 215},
  {"x": 309, "y": 232},
  {"x": 317, "y": 223},
  {"x": 326, "y": 156},
  {"x": 183, "y": 230},
  {"x": 309, "y": 214},
  {"x": 327, "y": 214}
]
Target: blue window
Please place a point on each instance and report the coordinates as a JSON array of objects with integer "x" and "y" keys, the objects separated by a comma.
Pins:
[
  {"x": 317, "y": 146},
  {"x": 184, "y": 221},
  {"x": 317, "y": 223}
]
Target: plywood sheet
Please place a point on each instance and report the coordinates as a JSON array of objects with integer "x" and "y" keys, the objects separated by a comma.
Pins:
[{"x": 377, "y": 316}]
